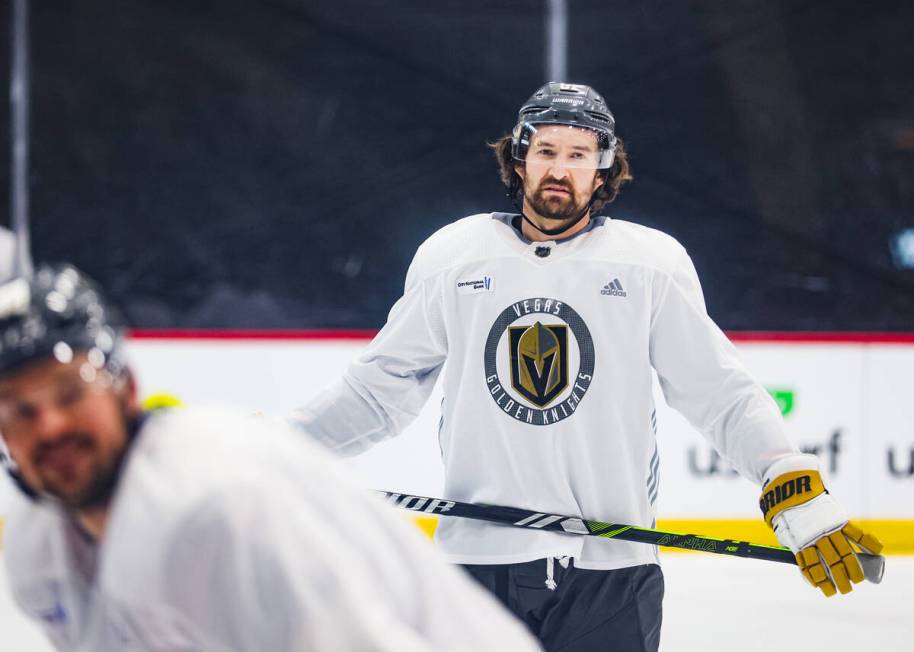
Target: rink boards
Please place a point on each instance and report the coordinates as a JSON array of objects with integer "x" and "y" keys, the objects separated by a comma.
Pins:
[{"x": 847, "y": 398}]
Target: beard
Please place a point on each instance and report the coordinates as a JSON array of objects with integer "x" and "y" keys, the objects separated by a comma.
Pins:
[
  {"x": 555, "y": 207},
  {"x": 90, "y": 480}
]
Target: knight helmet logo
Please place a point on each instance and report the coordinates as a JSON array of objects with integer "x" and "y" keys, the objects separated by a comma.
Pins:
[{"x": 539, "y": 361}]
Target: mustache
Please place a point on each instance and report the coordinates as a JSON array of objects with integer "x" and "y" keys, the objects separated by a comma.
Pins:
[
  {"x": 77, "y": 439},
  {"x": 564, "y": 185}
]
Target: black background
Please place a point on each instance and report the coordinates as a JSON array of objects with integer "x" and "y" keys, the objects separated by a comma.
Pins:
[{"x": 274, "y": 164}]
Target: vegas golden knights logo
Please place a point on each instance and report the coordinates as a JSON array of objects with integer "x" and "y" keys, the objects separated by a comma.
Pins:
[
  {"x": 550, "y": 365},
  {"x": 539, "y": 361}
]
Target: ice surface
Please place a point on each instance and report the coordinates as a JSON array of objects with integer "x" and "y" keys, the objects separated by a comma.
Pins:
[
  {"x": 716, "y": 603},
  {"x": 740, "y": 605}
]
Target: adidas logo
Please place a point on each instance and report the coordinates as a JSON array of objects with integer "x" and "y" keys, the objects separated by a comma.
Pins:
[{"x": 614, "y": 289}]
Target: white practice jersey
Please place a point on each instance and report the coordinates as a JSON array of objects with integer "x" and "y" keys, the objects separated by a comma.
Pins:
[
  {"x": 547, "y": 405},
  {"x": 232, "y": 534}
]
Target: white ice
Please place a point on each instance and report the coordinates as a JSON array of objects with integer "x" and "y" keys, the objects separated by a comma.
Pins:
[
  {"x": 742, "y": 605},
  {"x": 716, "y": 603}
]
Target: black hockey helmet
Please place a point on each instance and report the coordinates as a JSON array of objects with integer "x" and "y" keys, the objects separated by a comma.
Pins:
[
  {"x": 55, "y": 313},
  {"x": 576, "y": 105}
]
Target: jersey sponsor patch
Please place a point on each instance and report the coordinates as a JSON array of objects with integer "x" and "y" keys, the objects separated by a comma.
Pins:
[
  {"x": 472, "y": 286},
  {"x": 539, "y": 361}
]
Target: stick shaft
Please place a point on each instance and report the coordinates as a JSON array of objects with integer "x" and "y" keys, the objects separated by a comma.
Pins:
[
  {"x": 19, "y": 131},
  {"x": 578, "y": 526}
]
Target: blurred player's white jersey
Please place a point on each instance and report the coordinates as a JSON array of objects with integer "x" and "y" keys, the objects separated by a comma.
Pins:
[
  {"x": 233, "y": 534},
  {"x": 547, "y": 387}
]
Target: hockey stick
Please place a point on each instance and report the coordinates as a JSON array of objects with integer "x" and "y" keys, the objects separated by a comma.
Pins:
[
  {"x": 19, "y": 136},
  {"x": 873, "y": 565}
]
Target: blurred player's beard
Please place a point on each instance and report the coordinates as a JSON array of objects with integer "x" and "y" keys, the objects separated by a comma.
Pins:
[
  {"x": 95, "y": 478},
  {"x": 555, "y": 207}
]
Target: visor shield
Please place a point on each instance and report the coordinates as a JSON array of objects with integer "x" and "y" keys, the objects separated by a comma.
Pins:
[
  {"x": 66, "y": 391},
  {"x": 567, "y": 146}
]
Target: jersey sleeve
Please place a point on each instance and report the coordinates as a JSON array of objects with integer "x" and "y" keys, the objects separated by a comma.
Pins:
[
  {"x": 703, "y": 378},
  {"x": 238, "y": 577},
  {"x": 238, "y": 534},
  {"x": 384, "y": 389},
  {"x": 254, "y": 572}
]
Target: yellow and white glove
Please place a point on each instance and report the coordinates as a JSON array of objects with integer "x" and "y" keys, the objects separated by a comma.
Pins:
[{"x": 813, "y": 525}]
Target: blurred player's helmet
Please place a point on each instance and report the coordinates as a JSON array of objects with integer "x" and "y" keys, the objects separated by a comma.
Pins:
[
  {"x": 58, "y": 312},
  {"x": 574, "y": 105},
  {"x": 54, "y": 315}
]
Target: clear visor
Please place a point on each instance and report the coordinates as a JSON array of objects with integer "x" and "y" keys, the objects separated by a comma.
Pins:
[
  {"x": 567, "y": 146},
  {"x": 68, "y": 385}
]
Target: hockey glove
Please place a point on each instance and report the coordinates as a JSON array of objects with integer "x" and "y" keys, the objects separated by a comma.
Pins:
[{"x": 810, "y": 522}]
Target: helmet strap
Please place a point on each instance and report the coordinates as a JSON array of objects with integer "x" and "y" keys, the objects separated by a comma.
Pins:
[{"x": 20, "y": 483}]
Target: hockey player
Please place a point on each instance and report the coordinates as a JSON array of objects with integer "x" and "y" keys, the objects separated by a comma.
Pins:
[
  {"x": 551, "y": 321},
  {"x": 197, "y": 530}
]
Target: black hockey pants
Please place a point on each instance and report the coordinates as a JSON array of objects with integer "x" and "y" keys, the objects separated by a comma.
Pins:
[{"x": 577, "y": 610}]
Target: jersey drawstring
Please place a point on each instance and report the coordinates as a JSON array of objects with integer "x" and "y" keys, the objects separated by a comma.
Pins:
[{"x": 551, "y": 584}]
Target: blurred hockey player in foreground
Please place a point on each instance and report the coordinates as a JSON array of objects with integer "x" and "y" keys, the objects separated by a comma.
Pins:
[{"x": 196, "y": 529}]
